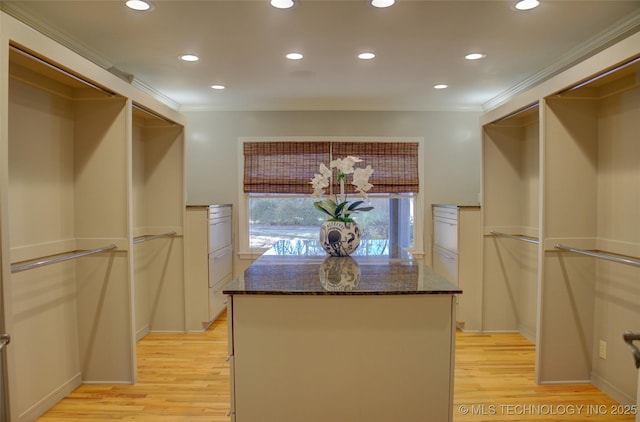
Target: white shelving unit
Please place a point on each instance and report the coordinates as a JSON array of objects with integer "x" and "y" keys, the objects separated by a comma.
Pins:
[
  {"x": 510, "y": 156},
  {"x": 582, "y": 194},
  {"x": 82, "y": 169},
  {"x": 158, "y": 208}
]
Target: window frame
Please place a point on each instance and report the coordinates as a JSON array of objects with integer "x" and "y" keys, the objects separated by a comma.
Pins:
[{"x": 244, "y": 249}]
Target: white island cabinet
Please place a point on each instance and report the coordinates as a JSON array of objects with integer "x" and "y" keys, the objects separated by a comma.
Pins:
[{"x": 357, "y": 339}]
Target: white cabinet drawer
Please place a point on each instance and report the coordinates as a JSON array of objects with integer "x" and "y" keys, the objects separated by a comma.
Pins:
[
  {"x": 445, "y": 263},
  {"x": 217, "y": 299},
  {"x": 220, "y": 265},
  {"x": 219, "y": 211},
  {"x": 445, "y": 233},
  {"x": 446, "y": 212},
  {"x": 219, "y": 233}
]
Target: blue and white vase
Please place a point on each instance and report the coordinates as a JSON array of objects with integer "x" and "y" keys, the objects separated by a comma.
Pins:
[
  {"x": 339, "y": 238},
  {"x": 339, "y": 274}
]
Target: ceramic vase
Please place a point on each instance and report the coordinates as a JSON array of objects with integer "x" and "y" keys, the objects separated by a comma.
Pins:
[
  {"x": 338, "y": 274},
  {"x": 339, "y": 238}
]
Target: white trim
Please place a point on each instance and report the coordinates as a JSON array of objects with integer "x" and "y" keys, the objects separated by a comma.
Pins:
[
  {"x": 587, "y": 49},
  {"x": 243, "y": 218},
  {"x": 330, "y": 107}
]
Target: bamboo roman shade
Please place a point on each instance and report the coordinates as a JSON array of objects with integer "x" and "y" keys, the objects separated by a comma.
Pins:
[
  {"x": 282, "y": 167},
  {"x": 288, "y": 167},
  {"x": 394, "y": 164}
]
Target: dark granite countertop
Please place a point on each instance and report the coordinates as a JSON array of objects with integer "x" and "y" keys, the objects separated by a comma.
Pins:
[{"x": 303, "y": 268}]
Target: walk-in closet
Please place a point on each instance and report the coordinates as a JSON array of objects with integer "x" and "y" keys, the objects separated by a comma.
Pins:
[
  {"x": 590, "y": 280},
  {"x": 510, "y": 155},
  {"x": 561, "y": 178},
  {"x": 67, "y": 175},
  {"x": 92, "y": 202},
  {"x": 158, "y": 209}
]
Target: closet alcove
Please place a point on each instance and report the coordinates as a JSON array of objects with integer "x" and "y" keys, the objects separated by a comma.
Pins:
[
  {"x": 510, "y": 163},
  {"x": 592, "y": 202},
  {"x": 158, "y": 214},
  {"x": 561, "y": 201},
  {"x": 70, "y": 322}
]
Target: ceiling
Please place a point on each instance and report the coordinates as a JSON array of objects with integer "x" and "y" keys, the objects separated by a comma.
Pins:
[{"x": 418, "y": 43}]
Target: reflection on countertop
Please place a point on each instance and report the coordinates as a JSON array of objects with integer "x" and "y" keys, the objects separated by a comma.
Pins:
[{"x": 302, "y": 267}]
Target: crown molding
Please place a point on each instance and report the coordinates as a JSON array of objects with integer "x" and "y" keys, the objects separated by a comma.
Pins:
[
  {"x": 624, "y": 28},
  {"x": 14, "y": 9},
  {"x": 329, "y": 107},
  {"x": 73, "y": 44},
  {"x": 168, "y": 101}
]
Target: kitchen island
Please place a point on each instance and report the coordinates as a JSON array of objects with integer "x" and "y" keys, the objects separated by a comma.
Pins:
[{"x": 364, "y": 338}]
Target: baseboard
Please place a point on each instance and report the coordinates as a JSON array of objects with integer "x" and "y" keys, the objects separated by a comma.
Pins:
[
  {"x": 499, "y": 331},
  {"x": 47, "y": 402},
  {"x": 142, "y": 332},
  {"x": 611, "y": 390},
  {"x": 527, "y": 333}
]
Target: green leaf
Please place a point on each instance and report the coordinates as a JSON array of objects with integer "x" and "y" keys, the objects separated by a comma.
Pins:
[
  {"x": 339, "y": 209},
  {"x": 321, "y": 206},
  {"x": 363, "y": 209}
]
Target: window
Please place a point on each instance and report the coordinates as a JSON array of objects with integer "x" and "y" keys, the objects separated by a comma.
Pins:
[
  {"x": 275, "y": 217},
  {"x": 277, "y": 201}
]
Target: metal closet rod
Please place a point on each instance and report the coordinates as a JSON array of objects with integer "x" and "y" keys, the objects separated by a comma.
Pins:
[
  {"x": 602, "y": 75},
  {"x": 516, "y": 237},
  {"x": 154, "y": 114},
  {"x": 58, "y": 69},
  {"x": 141, "y": 239},
  {"x": 60, "y": 258},
  {"x": 518, "y": 111},
  {"x": 608, "y": 256}
]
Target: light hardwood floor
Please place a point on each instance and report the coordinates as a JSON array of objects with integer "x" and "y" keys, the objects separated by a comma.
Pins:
[{"x": 185, "y": 377}]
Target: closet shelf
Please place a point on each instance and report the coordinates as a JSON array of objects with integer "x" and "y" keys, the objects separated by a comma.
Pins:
[
  {"x": 141, "y": 239},
  {"x": 40, "y": 66},
  {"x": 520, "y": 118},
  {"x": 59, "y": 258},
  {"x": 602, "y": 255},
  {"x": 520, "y": 237},
  {"x": 609, "y": 83},
  {"x": 145, "y": 114}
]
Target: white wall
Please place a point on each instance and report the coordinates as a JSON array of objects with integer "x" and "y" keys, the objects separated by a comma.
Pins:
[{"x": 452, "y": 148}]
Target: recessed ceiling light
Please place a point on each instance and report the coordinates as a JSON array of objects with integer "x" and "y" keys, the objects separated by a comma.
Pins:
[
  {"x": 217, "y": 87},
  {"x": 527, "y": 4},
  {"x": 189, "y": 58},
  {"x": 382, "y": 3},
  {"x": 294, "y": 56},
  {"x": 441, "y": 86},
  {"x": 138, "y": 5},
  {"x": 282, "y": 4},
  {"x": 366, "y": 56},
  {"x": 475, "y": 56}
]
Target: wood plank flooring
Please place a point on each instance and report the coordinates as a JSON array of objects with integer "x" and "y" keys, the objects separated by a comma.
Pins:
[{"x": 185, "y": 377}]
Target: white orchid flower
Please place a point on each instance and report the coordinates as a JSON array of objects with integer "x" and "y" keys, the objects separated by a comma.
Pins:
[
  {"x": 319, "y": 183},
  {"x": 345, "y": 165},
  {"x": 343, "y": 210},
  {"x": 361, "y": 180},
  {"x": 325, "y": 171},
  {"x": 362, "y": 173}
]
